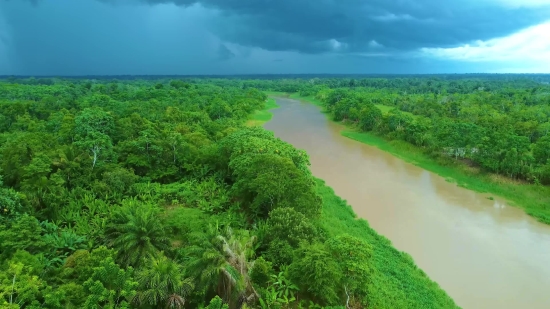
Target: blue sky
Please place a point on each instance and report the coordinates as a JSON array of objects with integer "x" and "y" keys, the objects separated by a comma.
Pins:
[{"x": 68, "y": 37}]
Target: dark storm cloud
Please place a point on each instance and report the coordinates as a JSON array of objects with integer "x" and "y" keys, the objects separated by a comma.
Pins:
[
  {"x": 309, "y": 25},
  {"x": 225, "y": 53},
  {"x": 70, "y": 37}
]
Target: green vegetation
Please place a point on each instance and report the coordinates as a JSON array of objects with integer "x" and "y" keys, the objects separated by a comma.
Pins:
[
  {"x": 262, "y": 116},
  {"x": 156, "y": 194}
]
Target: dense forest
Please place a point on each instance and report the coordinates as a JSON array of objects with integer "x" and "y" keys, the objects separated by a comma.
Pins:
[{"x": 156, "y": 194}]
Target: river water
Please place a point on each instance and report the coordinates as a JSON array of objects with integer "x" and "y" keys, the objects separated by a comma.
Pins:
[{"x": 483, "y": 253}]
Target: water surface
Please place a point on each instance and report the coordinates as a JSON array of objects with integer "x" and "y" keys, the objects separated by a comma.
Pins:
[{"x": 483, "y": 253}]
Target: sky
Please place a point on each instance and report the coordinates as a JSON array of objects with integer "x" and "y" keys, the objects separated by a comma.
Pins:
[{"x": 149, "y": 37}]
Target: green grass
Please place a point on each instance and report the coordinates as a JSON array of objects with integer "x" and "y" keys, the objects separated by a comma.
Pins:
[
  {"x": 386, "y": 109},
  {"x": 264, "y": 115},
  {"x": 396, "y": 282}
]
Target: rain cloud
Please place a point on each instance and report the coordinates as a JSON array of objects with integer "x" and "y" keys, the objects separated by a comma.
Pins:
[{"x": 255, "y": 36}]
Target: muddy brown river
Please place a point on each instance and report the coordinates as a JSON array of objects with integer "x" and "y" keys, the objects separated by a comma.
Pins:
[{"x": 483, "y": 253}]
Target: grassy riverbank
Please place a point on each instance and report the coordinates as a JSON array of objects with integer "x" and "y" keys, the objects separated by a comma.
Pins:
[
  {"x": 396, "y": 282},
  {"x": 534, "y": 199},
  {"x": 262, "y": 116}
]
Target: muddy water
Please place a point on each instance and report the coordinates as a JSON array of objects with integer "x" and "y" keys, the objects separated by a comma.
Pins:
[{"x": 482, "y": 252}]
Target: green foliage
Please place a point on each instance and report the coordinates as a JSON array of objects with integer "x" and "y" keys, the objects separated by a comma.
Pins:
[
  {"x": 281, "y": 290},
  {"x": 353, "y": 256},
  {"x": 24, "y": 233},
  {"x": 287, "y": 224},
  {"x": 286, "y": 229},
  {"x": 222, "y": 261},
  {"x": 93, "y": 128},
  {"x": 317, "y": 272},
  {"x": 267, "y": 181},
  {"x": 110, "y": 286},
  {"x": 10, "y": 203},
  {"x": 80, "y": 265},
  {"x": 60, "y": 242},
  {"x": 161, "y": 283},
  {"x": 217, "y": 303},
  {"x": 20, "y": 284},
  {"x": 136, "y": 232},
  {"x": 261, "y": 272}
]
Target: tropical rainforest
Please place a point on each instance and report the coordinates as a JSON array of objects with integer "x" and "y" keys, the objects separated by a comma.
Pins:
[
  {"x": 163, "y": 193},
  {"x": 159, "y": 193}
]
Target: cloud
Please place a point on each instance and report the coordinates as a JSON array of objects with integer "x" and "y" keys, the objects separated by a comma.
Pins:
[
  {"x": 266, "y": 36},
  {"x": 392, "y": 17},
  {"x": 375, "y": 44},
  {"x": 528, "y": 45},
  {"x": 307, "y": 25},
  {"x": 70, "y": 37},
  {"x": 312, "y": 26},
  {"x": 5, "y": 43},
  {"x": 521, "y": 3},
  {"x": 225, "y": 53}
]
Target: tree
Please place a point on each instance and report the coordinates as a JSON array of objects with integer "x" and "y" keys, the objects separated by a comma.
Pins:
[
  {"x": 24, "y": 233},
  {"x": 369, "y": 117},
  {"x": 110, "y": 286},
  {"x": 286, "y": 229},
  {"x": 20, "y": 283},
  {"x": 267, "y": 181},
  {"x": 287, "y": 224},
  {"x": 222, "y": 262},
  {"x": 353, "y": 256},
  {"x": 317, "y": 273},
  {"x": 93, "y": 128},
  {"x": 161, "y": 283},
  {"x": 136, "y": 232},
  {"x": 217, "y": 303},
  {"x": 10, "y": 203},
  {"x": 541, "y": 150}
]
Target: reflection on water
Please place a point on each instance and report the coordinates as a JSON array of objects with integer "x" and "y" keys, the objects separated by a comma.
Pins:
[{"x": 483, "y": 253}]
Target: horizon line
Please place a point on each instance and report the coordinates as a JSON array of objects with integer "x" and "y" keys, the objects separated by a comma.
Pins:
[{"x": 255, "y": 74}]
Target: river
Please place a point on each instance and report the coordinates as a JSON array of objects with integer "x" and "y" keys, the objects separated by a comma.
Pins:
[{"x": 483, "y": 253}]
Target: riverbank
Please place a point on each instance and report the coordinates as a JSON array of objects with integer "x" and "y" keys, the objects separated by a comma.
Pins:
[
  {"x": 534, "y": 199},
  {"x": 396, "y": 281},
  {"x": 262, "y": 116}
]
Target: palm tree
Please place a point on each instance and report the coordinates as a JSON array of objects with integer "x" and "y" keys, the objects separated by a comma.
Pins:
[
  {"x": 222, "y": 263},
  {"x": 161, "y": 284},
  {"x": 136, "y": 232}
]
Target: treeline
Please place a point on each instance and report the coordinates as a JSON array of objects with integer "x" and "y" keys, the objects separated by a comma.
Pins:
[
  {"x": 437, "y": 84},
  {"x": 151, "y": 195}
]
